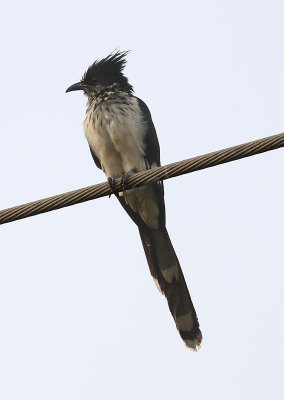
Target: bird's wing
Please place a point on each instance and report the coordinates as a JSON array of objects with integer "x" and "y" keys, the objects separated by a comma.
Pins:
[
  {"x": 95, "y": 158},
  {"x": 152, "y": 147},
  {"x": 152, "y": 158}
]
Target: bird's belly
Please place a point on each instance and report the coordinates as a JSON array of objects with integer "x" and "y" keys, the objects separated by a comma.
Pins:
[
  {"x": 102, "y": 145},
  {"x": 116, "y": 136},
  {"x": 117, "y": 140}
]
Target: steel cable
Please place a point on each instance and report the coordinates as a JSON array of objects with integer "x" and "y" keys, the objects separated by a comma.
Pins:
[{"x": 140, "y": 178}]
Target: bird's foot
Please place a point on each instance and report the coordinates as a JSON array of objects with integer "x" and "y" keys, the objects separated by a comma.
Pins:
[
  {"x": 125, "y": 178},
  {"x": 111, "y": 183}
]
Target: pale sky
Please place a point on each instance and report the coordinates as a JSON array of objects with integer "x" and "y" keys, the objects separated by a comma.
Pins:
[{"x": 81, "y": 317}]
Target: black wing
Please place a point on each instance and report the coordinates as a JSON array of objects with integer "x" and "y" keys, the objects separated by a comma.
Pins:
[
  {"x": 152, "y": 158},
  {"x": 152, "y": 149},
  {"x": 97, "y": 161}
]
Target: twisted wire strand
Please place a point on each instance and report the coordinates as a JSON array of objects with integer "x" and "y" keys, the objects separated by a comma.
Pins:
[{"x": 140, "y": 178}]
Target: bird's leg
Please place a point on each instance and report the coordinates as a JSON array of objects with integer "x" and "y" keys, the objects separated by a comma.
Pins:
[
  {"x": 111, "y": 183},
  {"x": 125, "y": 178}
]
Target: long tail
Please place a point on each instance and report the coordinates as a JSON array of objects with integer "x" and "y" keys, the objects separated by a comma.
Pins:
[{"x": 166, "y": 271}]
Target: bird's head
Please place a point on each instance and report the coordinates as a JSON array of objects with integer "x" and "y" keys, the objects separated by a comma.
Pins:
[{"x": 104, "y": 74}]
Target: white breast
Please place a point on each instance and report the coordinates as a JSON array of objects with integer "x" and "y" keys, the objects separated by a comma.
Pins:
[{"x": 115, "y": 131}]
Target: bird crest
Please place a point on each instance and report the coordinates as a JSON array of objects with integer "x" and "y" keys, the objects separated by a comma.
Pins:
[{"x": 107, "y": 71}]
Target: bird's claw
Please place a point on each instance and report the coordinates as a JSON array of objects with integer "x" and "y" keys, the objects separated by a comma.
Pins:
[
  {"x": 111, "y": 183},
  {"x": 125, "y": 178}
]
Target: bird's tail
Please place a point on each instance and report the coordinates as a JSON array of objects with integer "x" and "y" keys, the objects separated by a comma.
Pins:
[{"x": 166, "y": 271}]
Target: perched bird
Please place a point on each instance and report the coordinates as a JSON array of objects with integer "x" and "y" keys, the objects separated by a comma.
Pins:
[{"x": 123, "y": 140}]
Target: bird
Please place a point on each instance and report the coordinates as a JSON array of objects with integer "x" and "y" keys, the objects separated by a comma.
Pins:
[{"x": 123, "y": 140}]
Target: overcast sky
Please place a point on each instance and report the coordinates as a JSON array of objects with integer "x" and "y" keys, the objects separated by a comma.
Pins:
[{"x": 80, "y": 315}]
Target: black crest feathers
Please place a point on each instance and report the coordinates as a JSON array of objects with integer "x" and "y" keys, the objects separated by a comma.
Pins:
[{"x": 108, "y": 71}]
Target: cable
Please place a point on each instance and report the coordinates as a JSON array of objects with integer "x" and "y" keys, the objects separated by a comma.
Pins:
[{"x": 140, "y": 178}]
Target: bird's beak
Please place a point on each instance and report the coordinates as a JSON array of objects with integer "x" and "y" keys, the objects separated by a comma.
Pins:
[{"x": 76, "y": 86}]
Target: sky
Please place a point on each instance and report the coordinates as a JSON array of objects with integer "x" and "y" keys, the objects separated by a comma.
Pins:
[{"x": 81, "y": 317}]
